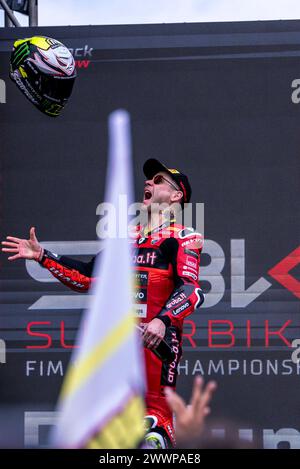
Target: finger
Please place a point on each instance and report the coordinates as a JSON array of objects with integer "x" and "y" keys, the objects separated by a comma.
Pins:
[
  {"x": 12, "y": 238},
  {"x": 32, "y": 234},
  {"x": 152, "y": 339},
  {"x": 12, "y": 258},
  {"x": 150, "y": 335},
  {"x": 151, "y": 345},
  {"x": 155, "y": 340},
  {"x": 156, "y": 343},
  {"x": 147, "y": 339},
  {"x": 10, "y": 249},
  {"x": 208, "y": 393},
  {"x": 175, "y": 402},
  {"x": 197, "y": 391},
  {"x": 8, "y": 243}
]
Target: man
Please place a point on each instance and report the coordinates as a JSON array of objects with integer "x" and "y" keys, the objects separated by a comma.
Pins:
[{"x": 166, "y": 268}]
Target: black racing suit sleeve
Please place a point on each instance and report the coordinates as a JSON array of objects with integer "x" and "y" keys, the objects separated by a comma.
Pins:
[
  {"x": 84, "y": 268},
  {"x": 73, "y": 273},
  {"x": 187, "y": 295}
]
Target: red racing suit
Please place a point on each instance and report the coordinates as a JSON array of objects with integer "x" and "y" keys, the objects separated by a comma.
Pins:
[{"x": 166, "y": 269}]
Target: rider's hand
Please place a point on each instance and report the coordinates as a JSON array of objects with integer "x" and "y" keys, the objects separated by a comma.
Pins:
[
  {"x": 153, "y": 333},
  {"x": 23, "y": 248}
]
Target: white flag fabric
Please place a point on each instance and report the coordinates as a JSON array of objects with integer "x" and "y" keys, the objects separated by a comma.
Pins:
[{"x": 102, "y": 405}]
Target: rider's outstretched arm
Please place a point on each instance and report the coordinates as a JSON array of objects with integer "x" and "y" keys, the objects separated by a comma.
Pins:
[{"x": 76, "y": 275}]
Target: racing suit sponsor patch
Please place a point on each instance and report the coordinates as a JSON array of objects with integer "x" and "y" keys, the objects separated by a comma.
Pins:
[
  {"x": 141, "y": 278},
  {"x": 65, "y": 278},
  {"x": 186, "y": 232},
  {"x": 147, "y": 258},
  {"x": 191, "y": 253},
  {"x": 181, "y": 308},
  {"x": 177, "y": 299},
  {"x": 185, "y": 273},
  {"x": 140, "y": 295},
  {"x": 140, "y": 310},
  {"x": 191, "y": 263}
]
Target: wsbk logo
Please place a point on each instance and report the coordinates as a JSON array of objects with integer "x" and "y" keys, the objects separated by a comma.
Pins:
[{"x": 241, "y": 294}]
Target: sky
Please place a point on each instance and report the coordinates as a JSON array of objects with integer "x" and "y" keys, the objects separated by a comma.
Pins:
[{"x": 80, "y": 12}]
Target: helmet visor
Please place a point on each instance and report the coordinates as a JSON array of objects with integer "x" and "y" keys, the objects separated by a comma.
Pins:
[{"x": 58, "y": 89}]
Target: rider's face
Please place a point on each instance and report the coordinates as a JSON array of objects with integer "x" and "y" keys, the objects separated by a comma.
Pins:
[{"x": 161, "y": 189}]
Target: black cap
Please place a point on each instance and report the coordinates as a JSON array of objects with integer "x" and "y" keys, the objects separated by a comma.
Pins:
[{"x": 153, "y": 166}]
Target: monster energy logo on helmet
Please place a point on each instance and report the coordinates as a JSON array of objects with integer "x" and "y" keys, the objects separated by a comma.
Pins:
[{"x": 44, "y": 70}]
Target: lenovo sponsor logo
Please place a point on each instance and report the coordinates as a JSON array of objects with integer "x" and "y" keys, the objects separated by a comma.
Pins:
[
  {"x": 2, "y": 92},
  {"x": 181, "y": 308}
]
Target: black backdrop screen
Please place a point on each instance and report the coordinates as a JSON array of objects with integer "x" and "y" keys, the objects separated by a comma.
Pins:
[{"x": 219, "y": 101}]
